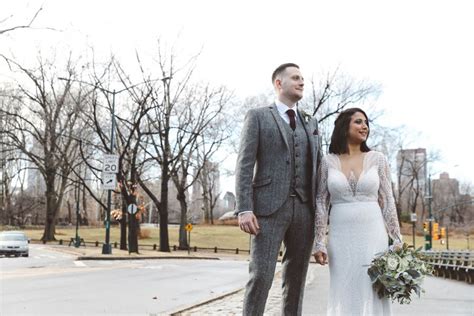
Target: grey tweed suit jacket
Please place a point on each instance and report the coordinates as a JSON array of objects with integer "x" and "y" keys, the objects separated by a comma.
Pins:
[{"x": 263, "y": 163}]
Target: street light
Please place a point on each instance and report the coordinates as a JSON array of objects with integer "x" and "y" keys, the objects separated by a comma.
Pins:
[
  {"x": 107, "y": 247},
  {"x": 77, "y": 241}
]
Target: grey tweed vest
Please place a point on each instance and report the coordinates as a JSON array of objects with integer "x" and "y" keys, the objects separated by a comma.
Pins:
[{"x": 300, "y": 158}]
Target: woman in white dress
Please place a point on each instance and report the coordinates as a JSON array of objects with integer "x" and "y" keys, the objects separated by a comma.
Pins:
[{"x": 355, "y": 194}]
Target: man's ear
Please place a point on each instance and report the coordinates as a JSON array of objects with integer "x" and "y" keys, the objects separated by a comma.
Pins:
[{"x": 277, "y": 83}]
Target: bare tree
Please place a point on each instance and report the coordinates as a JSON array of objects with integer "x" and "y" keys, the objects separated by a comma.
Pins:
[
  {"x": 164, "y": 145},
  {"x": 44, "y": 130},
  {"x": 26, "y": 25}
]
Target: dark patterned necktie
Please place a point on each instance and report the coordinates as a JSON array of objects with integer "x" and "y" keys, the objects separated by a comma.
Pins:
[{"x": 291, "y": 115}]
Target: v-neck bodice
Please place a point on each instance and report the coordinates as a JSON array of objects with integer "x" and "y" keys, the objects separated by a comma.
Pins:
[
  {"x": 371, "y": 191},
  {"x": 343, "y": 188}
]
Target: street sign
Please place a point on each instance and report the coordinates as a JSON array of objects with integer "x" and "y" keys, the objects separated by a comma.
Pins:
[
  {"x": 132, "y": 208},
  {"x": 413, "y": 217},
  {"x": 189, "y": 227},
  {"x": 109, "y": 181},
  {"x": 110, "y": 164}
]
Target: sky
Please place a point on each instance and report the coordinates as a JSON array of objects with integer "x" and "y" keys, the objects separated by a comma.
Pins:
[{"x": 421, "y": 52}]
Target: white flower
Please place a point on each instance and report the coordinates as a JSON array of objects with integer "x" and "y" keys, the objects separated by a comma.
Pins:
[
  {"x": 306, "y": 116},
  {"x": 392, "y": 263}
]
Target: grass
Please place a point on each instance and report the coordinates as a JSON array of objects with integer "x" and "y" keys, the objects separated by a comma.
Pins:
[
  {"x": 210, "y": 236},
  {"x": 203, "y": 236}
]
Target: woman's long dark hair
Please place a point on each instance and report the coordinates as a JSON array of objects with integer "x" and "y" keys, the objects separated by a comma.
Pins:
[{"x": 341, "y": 128}]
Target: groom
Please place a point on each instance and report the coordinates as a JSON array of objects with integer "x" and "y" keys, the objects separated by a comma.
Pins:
[{"x": 275, "y": 188}]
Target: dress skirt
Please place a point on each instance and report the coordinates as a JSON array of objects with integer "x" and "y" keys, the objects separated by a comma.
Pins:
[{"x": 356, "y": 234}]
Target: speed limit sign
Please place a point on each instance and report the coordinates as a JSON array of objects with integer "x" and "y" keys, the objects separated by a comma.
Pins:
[{"x": 110, "y": 164}]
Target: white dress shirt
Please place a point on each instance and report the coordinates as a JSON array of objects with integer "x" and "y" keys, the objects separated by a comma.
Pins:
[{"x": 282, "y": 108}]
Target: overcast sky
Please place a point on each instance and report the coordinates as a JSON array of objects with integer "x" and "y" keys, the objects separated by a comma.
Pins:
[{"x": 421, "y": 52}]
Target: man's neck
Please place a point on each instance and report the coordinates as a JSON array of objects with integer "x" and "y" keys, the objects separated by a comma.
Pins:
[{"x": 287, "y": 102}]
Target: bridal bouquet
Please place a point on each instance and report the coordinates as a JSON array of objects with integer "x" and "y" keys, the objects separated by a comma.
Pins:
[{"x": 396, "y": 274}]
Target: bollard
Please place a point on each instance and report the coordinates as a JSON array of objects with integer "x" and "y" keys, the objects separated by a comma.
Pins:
[
  {"x": 96, "y": 243},
  {"x": 236, "y": 251},
  {"x": 195, "y": 249},
  {"x": 115, "y": 244},
  {"x": 215, "y": 249},
  {"x": 154, "y": 246},
  {"x": 60, "y": 241},
  {"x": 174, "y": 247}
]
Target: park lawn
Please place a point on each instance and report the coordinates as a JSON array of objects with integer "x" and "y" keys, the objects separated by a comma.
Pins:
[
  {"x": 202, "y": 236},
  {"x": 210, "y": 236}
]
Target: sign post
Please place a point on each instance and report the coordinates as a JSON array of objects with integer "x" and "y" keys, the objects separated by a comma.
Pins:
[
  {"x": 189, "y": 228},
  {"x": 109, "y": 182}
]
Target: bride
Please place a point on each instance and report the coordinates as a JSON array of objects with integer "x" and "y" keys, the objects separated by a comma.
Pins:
[{"x": 355, "y": 194}]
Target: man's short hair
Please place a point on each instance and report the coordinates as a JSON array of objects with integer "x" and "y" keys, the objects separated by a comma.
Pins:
[{"x": 281, "y": 69}]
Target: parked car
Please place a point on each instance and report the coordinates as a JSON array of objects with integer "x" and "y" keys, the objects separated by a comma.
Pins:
[{"x": 14, "y": 243}]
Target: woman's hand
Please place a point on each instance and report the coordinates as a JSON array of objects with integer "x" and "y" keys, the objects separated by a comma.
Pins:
[{"x": 321, "y": 258}]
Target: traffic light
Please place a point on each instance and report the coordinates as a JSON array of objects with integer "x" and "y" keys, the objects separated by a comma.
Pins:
[
  {"x": 435, "y": 231},
  {"x": 425, "y": 226},
  {"x": 435, "y": 228},
  {"x": 443, "y": 232}
]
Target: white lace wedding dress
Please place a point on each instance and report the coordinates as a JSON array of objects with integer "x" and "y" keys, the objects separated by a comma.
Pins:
[{"x": 362, "y": 213}]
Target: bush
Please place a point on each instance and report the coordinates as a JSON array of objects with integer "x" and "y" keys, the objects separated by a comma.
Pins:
[{"x": 144, "y": 233}]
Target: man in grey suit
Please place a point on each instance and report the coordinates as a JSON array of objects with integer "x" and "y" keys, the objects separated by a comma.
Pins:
[{"x": 276, "y": 188}]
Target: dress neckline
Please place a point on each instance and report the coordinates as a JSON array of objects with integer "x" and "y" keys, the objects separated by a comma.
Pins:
[{"x": 352, "y": 177}]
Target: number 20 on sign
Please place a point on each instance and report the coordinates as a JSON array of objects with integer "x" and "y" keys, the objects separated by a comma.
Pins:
[{"x": 110, "y": 164}]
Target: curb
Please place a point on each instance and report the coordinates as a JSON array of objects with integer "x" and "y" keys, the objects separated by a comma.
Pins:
[
  {"x": 180, "y": 310},
  {"x": 142, "y": 258}
]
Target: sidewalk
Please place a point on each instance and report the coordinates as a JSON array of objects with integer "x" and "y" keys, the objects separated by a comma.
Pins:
[{"x": 442, "y": 297}]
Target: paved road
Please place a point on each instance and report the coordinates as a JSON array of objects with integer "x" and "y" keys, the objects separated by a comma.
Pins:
[
  {"x": 54, "y": 283},
  {"x": 50, "y": 283}
]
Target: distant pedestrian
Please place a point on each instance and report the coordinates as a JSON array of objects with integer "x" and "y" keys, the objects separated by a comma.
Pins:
[{"x": 275, "y": 191}]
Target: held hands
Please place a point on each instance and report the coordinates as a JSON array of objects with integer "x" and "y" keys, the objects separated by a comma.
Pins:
[
  {"x": 321, "y": 258},
  {"x": 248, "y": 223}
]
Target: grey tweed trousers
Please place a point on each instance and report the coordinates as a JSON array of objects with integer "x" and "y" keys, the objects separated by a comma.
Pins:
[{"x": 292, "y": 224}]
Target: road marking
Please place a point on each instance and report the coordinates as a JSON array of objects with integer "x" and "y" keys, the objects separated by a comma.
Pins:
[{"x": 80, "y": 264}]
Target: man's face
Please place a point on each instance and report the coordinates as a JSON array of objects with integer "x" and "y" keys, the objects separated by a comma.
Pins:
[{"x": 290, "y": 84}]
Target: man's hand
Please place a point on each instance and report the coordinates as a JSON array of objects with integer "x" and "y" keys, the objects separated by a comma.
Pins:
[
  {"x": 321, "y": 258},
  {"x": 248, "y": 223}
]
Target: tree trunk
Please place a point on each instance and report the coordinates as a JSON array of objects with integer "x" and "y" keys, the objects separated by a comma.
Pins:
[
  {"x": 132, "y": 227},
  {"x": 163, "y": 209},
  {"x": 123, "y": 228},
  {"x": 183, "y": 240},
  {"x": 85, "y": 216},
  {"x": 51, "y": 207}
]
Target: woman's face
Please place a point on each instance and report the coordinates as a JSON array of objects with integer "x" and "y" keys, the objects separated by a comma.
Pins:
[{"x": 358, "y": 129}]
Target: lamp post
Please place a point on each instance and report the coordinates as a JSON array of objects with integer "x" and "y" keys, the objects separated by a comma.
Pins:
[
  {"x": 77, "y": 240},
  {"x": 107, "y": 247},
  {"x": 430, "y": 215}
]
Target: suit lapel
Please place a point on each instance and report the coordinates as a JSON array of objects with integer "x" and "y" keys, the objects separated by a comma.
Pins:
[
  {"x": 278, "y": 120},
  {"x": 309, "y": 134}
]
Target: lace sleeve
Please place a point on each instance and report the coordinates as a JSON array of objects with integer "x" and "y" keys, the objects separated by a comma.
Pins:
[
  {"x": 386, "y": 201},
  {"x": 322, "y": 208}
]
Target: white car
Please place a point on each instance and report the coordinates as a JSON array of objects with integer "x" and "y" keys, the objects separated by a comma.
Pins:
[{"x": 14, "y": 243}]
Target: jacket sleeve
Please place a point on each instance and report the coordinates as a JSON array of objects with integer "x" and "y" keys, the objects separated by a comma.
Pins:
[
  {"x": 322, "y": 208},
  {"x": 387, "y": 202},
  {"x": 245, "y": 163}
]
